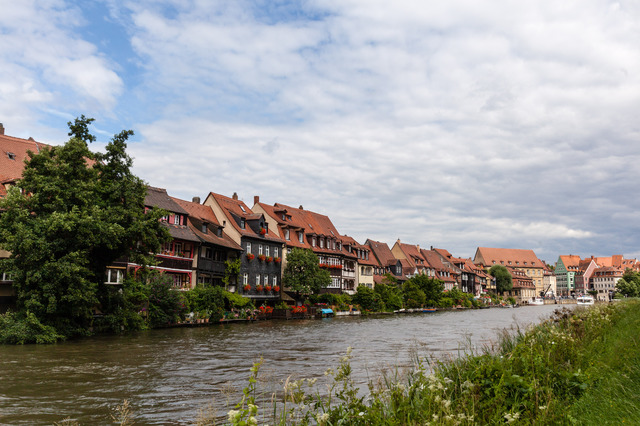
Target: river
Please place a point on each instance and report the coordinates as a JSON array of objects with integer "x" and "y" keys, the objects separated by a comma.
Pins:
[{"x": 169, "y": 375}]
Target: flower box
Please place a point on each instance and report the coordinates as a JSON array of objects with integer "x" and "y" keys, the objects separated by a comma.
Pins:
[
  {"x": 276, "y": 289},
  {"x": 267, "y": 288},
  {"x": 259, "y": 288},
  {"x": 269, "y": 259},
  {"x": 250, "y": 256},
  {"x": 263, "y": 231},
  {"x": 277, "y": 260},
  {"x": 246, "y": 288},
  {"x": 262, "y": 257}
]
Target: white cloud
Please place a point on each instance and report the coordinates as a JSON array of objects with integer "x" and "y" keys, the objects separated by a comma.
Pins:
[
  {"x": 45, "y": 64},
  {"x": 455, "y": 123}
]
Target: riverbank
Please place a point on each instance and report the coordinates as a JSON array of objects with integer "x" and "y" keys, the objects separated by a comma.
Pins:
[{"x": 578, "y": 367}]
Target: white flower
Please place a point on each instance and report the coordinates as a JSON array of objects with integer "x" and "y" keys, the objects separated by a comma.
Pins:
[
  {"x": 361, "y": 413},
  {"x": 322, "y": 419},
  {"x": 232, "y": 415},
  {"x": 252, "y": 421}
]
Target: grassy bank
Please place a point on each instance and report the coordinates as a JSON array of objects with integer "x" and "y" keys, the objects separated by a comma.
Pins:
[{"x": 578, "y": 367}]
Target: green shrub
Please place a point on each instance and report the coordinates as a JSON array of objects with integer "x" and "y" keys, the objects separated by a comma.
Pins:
[
  {"x": 16, "y": 329},
  {"x": 166, "y": 305}
]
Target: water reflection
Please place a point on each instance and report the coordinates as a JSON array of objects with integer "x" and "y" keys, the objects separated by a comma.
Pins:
[{"x": 169, "y": 375}]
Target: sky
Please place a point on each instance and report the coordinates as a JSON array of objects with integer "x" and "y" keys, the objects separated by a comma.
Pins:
[{"x": 456, "y": 124}]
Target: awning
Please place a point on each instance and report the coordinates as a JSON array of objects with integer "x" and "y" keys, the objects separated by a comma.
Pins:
[{"x": 327, "y": 311}]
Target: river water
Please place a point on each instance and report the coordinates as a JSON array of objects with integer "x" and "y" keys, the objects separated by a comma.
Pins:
[{"x": 169, "y": 375}]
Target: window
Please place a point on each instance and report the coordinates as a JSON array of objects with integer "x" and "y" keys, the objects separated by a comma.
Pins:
[
  {"x": 242, "y": 223},
  {"x": 259, "y": 249},
  {"x": 275, "y": 252},
  {"x": 286, "y": 234},
  {"x": 258, "y": 279},
  {"x": 301, "y": 237},
  {"x": 219, "y": 232},
  {"x": 266, "y": 279},
  {"x": 245, "y": 279},
  {"x": 113, "y": 276},
  {"x": 204, "y": 228},
  {"x": 176, "y": 219},
  {"x": 313, "y": 241},
  {"x": 321, "y": 242},
  {"x": 5, "y": 277},
  {"x": 11, "y": 155},
  {"x": 274, "y": 280},
  {"x": 266, "y": 251},
  {"x": 248, "y": 247},
  {"x": 334, "y": 244}
]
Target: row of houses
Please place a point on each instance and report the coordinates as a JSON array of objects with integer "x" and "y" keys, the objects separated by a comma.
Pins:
[{"x": 207, "y": 233}]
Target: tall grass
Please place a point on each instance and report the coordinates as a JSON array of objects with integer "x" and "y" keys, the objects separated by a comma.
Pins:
[{"x": 577, "y": 367}]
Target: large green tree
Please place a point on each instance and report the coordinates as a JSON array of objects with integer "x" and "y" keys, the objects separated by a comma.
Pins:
[
  {"x": 431, "y": 287},
  {"x": 73, "y": 213},
  {"x": 303, "y": 274},
  {"x": 504, "y": 282}
]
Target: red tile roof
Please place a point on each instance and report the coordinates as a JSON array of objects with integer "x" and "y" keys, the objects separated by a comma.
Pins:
[
  {"x": 13, "y": 153},
  {"x": 518, "y": 258},
  {"x": 233, "y": 207},
  {"x": 382, "y": 252}
]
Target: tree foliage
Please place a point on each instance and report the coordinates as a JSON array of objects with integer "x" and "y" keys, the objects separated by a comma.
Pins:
[
  {"x": 303, "y": 273},
  {"x": 504, "y": 282},
  {"x": 73, "y": 213},
  {"x": 431, "y": 287},
  {"x": 629, "y": 284},
  {"x": 414, "y": 297}
]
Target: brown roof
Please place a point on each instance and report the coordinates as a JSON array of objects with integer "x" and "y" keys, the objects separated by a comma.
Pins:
[
  {"x": 198, "y": 210},
  {"x": 200, "y": 214},
  {"x": 382, "y": 252},
  {"x": 158, "y": 197},
  {"x": 234, "y": 207},
  {"x": 13, "y": 153},
  {"x": 570, "y": 261},
  {"x": 518, "y": 258}
]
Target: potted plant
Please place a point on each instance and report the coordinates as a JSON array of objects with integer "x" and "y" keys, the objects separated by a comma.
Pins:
[
  {"x": 276, "y": 288},
  {"x": 250, "y": 256},
  {"x": 246, "y": 287},
  {"x": 263, "y": 231},
  {"x": 267, "y": 287},
  {"x": 277, "y": 260},
  {"x": 259, "y": 288},
  {"x": 262, "y": 257},
  {"x": 269, "y": 259}
]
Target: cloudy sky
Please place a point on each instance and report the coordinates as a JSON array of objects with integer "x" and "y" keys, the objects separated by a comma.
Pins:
[{"x": 455, "y": 124}]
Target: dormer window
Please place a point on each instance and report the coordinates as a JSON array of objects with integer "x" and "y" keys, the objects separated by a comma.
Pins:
[
  {"x": 301, "y": 237},
  {"x": 11, "y": 156},
  {"x": 204, "y": 228},
  {"x": 321, "y": 242},
  {"x": 313, "y": 241},
  {"x": 286, "y": 234},
  {"x": 219, "y": 232},
  {"x": 243, "y": 224},
  {"x": 176, "y": 219}
]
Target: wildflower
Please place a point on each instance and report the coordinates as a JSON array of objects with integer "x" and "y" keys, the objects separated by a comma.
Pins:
[
  {"x": 322, "y": 419},
  {"x": 542, "y": 407},
  {"x": 361, "y": 413},
  {"x": 447, "y": 403},
  {"x": 232, "y": 415},
  {"x": 252, "y": 421},
  {"x": 311, "y": 382}
]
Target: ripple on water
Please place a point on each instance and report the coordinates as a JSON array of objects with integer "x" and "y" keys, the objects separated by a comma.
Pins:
[{"x": 170, "y": 375}]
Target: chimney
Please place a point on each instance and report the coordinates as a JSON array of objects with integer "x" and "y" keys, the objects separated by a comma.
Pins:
[
  {"x": 256, "y": 199},
  {"x": 196, "y": 200},
  {"x": 1, "y": 129},
  {"x": 301, "y": 208},
  {"x": 418, "y": 246},
  {"x": 235, "y": 196}
]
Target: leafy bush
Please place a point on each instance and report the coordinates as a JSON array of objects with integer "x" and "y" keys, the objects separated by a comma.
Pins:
[
  {"x": 368, "y": 299},
  {"x": 166, "y": 305},
  {"x": 235, "y": 301},
  {"x": 207, "y": 299},
  {"x": 16, "y": 329}
]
